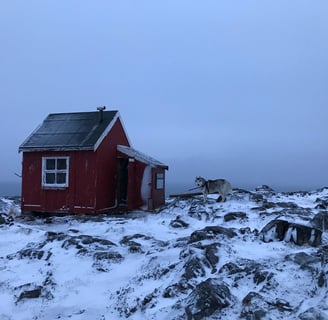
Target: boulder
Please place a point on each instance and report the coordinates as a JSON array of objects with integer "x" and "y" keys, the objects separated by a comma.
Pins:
[
  {"x": 291, "y": 232},
  {"x": 320, "y": 221},
  {"x": 211, "y": 232},
  {"x": 103, "y": 260},
  {"x": 194, "y": 268},
  {"x": 254, "y": 306},
  {"x": 178, "y": 223},
  {"x": 207, "y": 298},
  {"x": 211, "y": 256},
  {"x": 313, "y": 314},
  {"x": 234, "y": 216},
  {"x": 303, "y": 259}
]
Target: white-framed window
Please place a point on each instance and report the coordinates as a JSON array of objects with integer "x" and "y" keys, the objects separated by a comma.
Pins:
[
  {"x": 159, "y": 180},
  {"x": 55, "y": 172}
]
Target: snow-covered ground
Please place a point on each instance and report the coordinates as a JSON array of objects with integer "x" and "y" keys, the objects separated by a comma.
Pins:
[{"x": 156, "y": 265}]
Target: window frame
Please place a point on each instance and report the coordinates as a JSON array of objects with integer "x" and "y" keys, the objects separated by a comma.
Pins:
[
  {"x": 55, "y": 171},
  {"x": 159, "y": 181}
]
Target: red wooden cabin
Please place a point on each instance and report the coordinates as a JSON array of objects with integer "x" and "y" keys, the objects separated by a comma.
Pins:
[{"x": 83, "y": 163}]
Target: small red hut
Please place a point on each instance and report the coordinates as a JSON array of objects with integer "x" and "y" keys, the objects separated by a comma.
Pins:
[{"x": 83, "y": 163}]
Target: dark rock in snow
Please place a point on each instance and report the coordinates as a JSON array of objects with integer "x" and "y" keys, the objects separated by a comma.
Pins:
[
  {"x": 287, "y": 205},
  {"x": 6, "y": 219},
  {"x": 127, "y": 239},
  {"x": 260, "y": 276},
  {"x": 194, "y": 268},
  {"x": 275, "y": 230},
  {"x": 264, "y": 189},
  {"x": 321, "y": 204},
  {"x": 320, "y": 221},
  {"x": 283, "y": 230},
  {"x": 30, "y": 294},
  {"x": 211, "y": 255},
  {"x": 55, "y": 236},
  {"x": 176, "y": 289},
  {"x": 31, "y": 251},
  {"x": 254, "y": 306},
  {"x": 32, "y": 291},
  {"x": 234, "y": 216},
  {"x": 103, "y": 260},
  {"x": 313, "y": 314},
  {"x": 211, "y": 232},
  {"x": 303, "y": 259},
  {"x": 207, "y": 298},
  {"x": 178, "y": 223},
  {"x": 87, "y": 244},
  {"x": 230, "y": 268}
]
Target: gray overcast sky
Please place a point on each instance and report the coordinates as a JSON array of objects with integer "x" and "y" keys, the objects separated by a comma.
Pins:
[{"x": 233, "y": 89}]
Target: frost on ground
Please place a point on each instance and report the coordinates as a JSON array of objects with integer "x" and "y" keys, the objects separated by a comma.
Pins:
[{"x": 259, "y": 255}]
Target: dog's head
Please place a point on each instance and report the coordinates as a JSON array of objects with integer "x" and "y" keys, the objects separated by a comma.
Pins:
[{"x": 200, "y": 182}]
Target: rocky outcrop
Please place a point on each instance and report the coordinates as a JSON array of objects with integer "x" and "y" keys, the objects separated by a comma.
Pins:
[
  {"x": 208, "y": 297},
  {"x": 278, "y": 229}
]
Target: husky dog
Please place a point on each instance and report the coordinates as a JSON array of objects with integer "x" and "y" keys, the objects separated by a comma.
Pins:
[{"x": 221, "y": 186}]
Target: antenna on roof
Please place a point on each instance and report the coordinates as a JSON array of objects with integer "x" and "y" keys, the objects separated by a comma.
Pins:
[{"x": 101, "y": 110}]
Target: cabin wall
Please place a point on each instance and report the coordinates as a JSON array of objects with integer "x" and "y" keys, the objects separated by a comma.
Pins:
[
  {"x": 157, "y": 195},
  {"x": 78, "y": 197},
  {"x": 31, "y": 182},
  {"x": 106, "y": 176}
]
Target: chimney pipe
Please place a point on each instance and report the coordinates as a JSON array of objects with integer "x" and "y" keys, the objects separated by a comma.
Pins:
[{"x": 101, "y": 110}]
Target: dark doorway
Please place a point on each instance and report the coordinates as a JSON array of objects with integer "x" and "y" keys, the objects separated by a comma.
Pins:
[{"x": 122, "y": 181}]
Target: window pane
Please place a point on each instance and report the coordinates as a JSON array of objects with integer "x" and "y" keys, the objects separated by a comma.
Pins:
[
  {"x": 61, "y": 164},
  {"x": 50, "y": 164},
  {"x": 50, "y": 178},
  {"x": 61, "y": 178},
  {"x": 159, "y": 181}
]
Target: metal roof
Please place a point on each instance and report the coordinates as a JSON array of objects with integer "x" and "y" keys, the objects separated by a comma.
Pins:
[
  {"x": 133, "y": 153},
  {"x": 71, "y": 131}
]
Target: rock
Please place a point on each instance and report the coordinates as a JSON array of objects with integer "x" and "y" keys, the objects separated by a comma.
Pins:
[
  {"x": 6, "y": 219},
  {"x": 283, "y": 230},
  {"x": 254, "y": 306},
  {"x": 321, "y": 204},
  {"x": 55, "y": 236},
  {"x": 230, "y": 268},
  {"x": 31, "y": 294},
  {"x": 176, "y": 289},
  {"x": 211, "y": 232},
  {"x": 303, "y": 259},
  {"x": 320, "y": 221},
  {"x": 31, "y": 251},
  {"x": 304, "y": 235},
  {"x": 126, "y": 239},
  {"x": 287, "y": 205},
  {"x": 2, "y": 219},
  {"x": 274, "y": 230},
  {"x": 32, "y": 291},
  {"x": 194, "y": 268},
  {"x": 313, "y": 314},
  {"x": 211, "y": 255},
  {"x": 265, "y": 206},
  {"x": 87, "y": 244},
  {"x": 234, "y": 216},
  {"x": 264, "y": 189},
  {"x": 207, "y": 298},
  {"x": 178, "y": 223},
  {"x": 103, "y": 260},
  {"x": 260, "y": 276}
]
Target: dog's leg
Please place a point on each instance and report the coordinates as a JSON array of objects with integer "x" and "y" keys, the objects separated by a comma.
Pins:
[{"x": 205, "y": 196}]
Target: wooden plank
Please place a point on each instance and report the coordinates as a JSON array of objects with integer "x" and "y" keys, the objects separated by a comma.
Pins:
[{"x": 185, "y": 195}]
